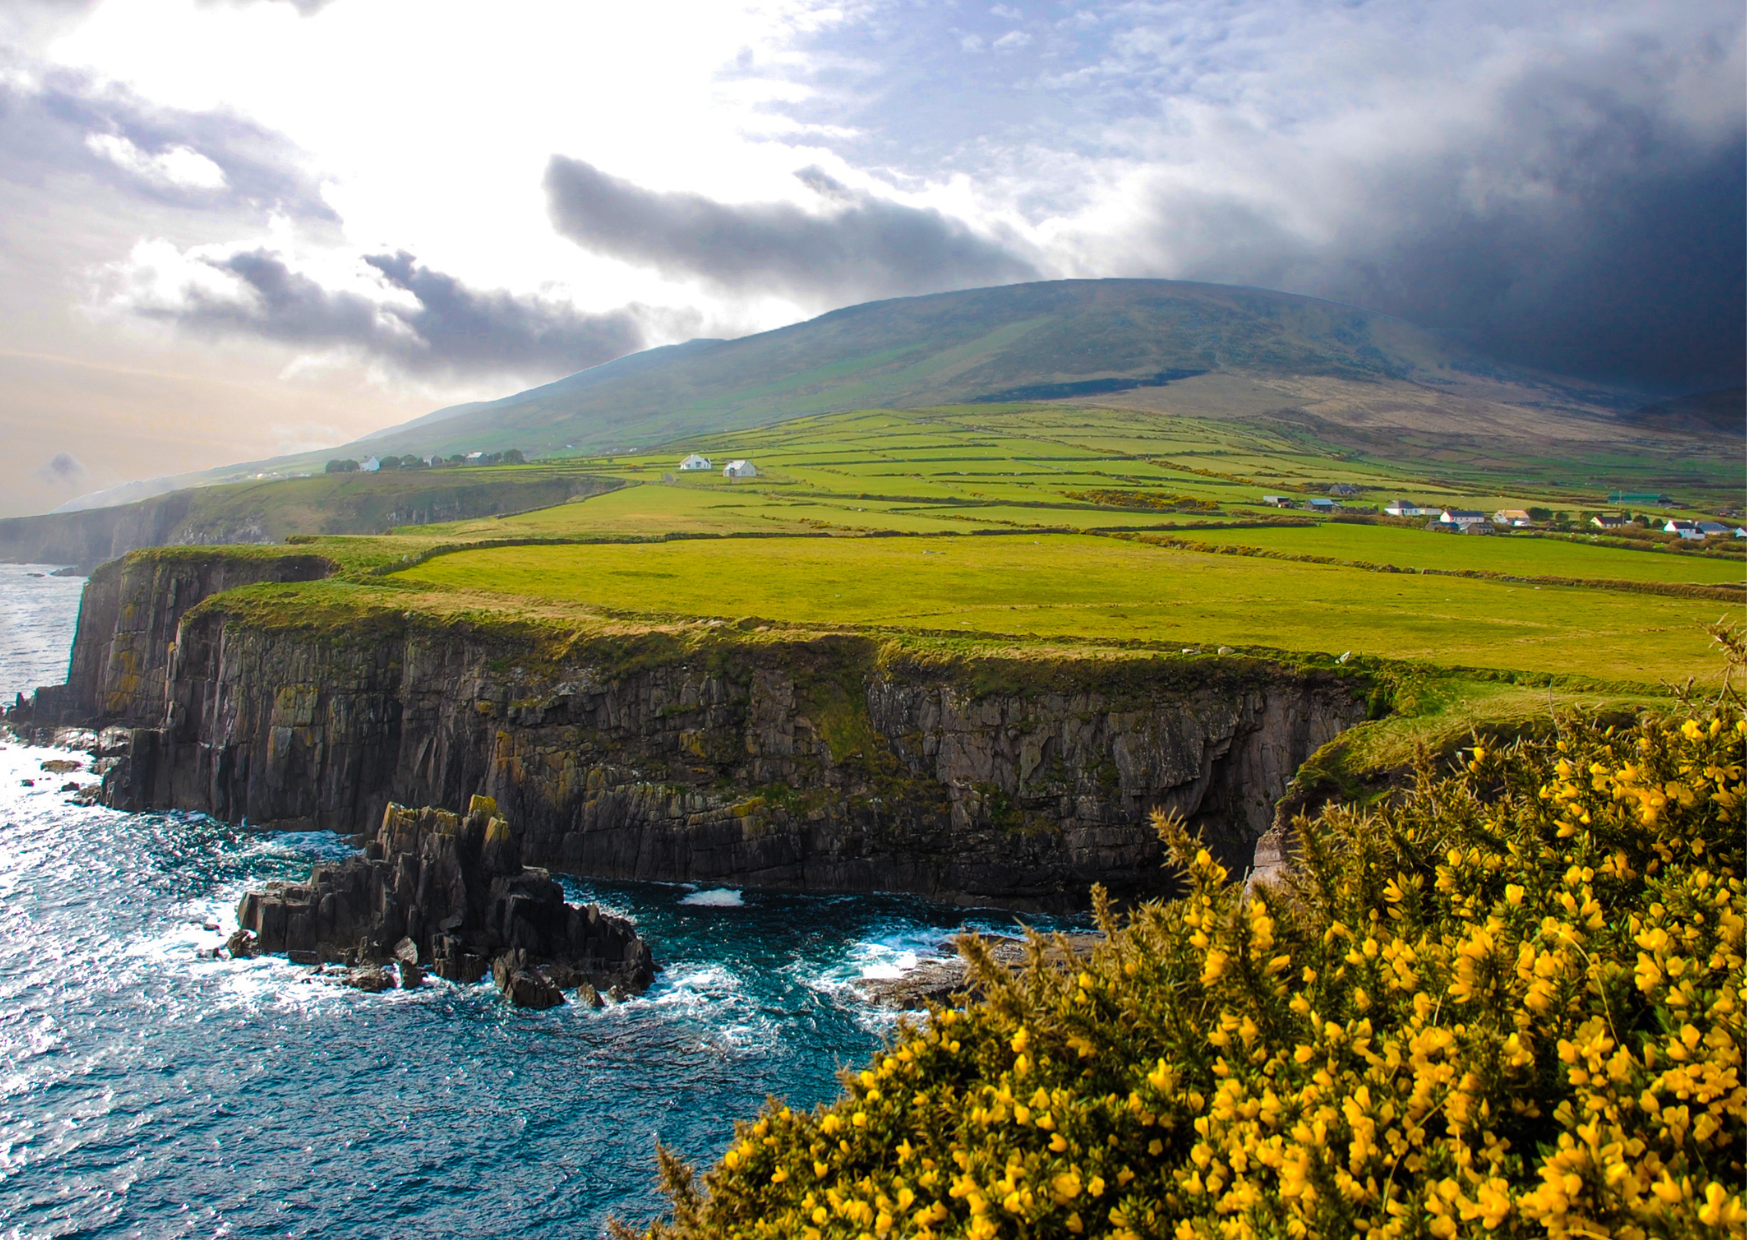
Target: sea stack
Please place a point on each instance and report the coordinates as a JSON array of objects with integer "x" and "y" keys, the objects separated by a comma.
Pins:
[{"x": 448, "y": 893}]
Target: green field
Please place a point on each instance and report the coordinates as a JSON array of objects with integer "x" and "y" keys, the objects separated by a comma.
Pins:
[
  {"x": 1067, "y": 588},
  {"x": 985, "y": 523},
  {"x": 1514, "y": 555}
]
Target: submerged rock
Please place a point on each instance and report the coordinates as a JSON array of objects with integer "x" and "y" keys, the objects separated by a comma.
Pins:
[{"x": 449, "y": 890}]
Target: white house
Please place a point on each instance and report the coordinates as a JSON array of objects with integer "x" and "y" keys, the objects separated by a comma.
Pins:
[
  {"x": 1461, "y": 516},
  {"x": 1515, "y": 517},
  {"x": 1278, "y": 501},
  {"x": 1404, "y": 508},
  {"x": 740, "y": 469},
  {"x": 1708, "y": 528},
  {"x": 1687, "y": 529},
  {"x": 1606, "y": 522},
  {"x": 369, "y": 465},
  {"x": 694, "y": 463}
]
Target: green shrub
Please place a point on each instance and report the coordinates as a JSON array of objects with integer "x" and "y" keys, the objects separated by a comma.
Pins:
[{"x": 1510, "y": 1003}]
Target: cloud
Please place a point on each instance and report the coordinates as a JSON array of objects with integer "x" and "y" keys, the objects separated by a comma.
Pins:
[
  {"x": 1576, "y": 222},
  {"x": 61, "y": 469},
  {"x": 396, "y": 311},
  {"x": 862, "y": 248},
  {"x": 175, "y": 165},
  {"x": 59, "y": 122},
  {"x": 1012, "y": 41}
]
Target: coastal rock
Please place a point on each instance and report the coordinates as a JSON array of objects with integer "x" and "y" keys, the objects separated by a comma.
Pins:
[
  {"x": 449, "y": 889},
  {"x": 242, "y": 945},
  {"x": 524, "y": 984},
  {"x": 371, "y": 981}
]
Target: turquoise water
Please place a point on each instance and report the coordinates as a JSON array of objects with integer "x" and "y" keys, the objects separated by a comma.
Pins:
[{"x": 148, "y": 1091}]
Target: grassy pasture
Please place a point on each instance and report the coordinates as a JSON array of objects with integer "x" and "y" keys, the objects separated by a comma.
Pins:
[
  {"x": 1066, "y": 588},
  {"x": 1518, "y": 556}
]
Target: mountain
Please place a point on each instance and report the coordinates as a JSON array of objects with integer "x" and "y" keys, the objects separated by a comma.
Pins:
[
  {"x": 1112, "y": 341},
  {"x": 608, "y": 373},
  {"x": 1724, "y": 411}
]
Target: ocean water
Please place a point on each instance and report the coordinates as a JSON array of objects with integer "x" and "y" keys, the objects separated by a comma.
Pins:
[{"x": 147, "y": 1090}]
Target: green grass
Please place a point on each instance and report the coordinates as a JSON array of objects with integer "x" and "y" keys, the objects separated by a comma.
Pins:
[
  {"x": 1067, "y": 588},
  {"x": 1518, "y": 556}
]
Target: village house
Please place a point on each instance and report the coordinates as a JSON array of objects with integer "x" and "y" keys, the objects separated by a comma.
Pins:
[
  {"x": 1515, "y": 517},
  {"x": 694, "y": 463},
  {"x": 1686, "y": 529},
  {"x": 1343, "y": 488},
  {"x": 740, "y": 469},
  {"x": 369, "y": 465},
  {"x": 1606, "y": 522},
  {"x": 1462, "y": 517},
  {"x": 1711, "y": 528},
  {"x": 1404, "y": 508}
]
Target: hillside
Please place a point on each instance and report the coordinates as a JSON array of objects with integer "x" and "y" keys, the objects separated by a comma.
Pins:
[
  {"x": 268, "y": 511},
  {"x": 1229, "y": 352}
]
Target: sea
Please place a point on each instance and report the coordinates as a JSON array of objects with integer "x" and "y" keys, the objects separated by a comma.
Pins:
[{"x": 150, "y": 1090}]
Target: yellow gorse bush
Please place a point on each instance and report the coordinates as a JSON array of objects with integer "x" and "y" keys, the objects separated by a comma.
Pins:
[{"x": 1511, "y": 1003}]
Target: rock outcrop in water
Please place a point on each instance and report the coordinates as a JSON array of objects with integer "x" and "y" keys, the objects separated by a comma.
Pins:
[
  {"x": 450, "y": 891},
  {"x": 700, "y": 754}
]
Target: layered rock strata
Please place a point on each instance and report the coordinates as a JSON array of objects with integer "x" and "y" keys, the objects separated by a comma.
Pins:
[
  {"x": 710, "y": 755},
  {"x": 449, "y": 892}
]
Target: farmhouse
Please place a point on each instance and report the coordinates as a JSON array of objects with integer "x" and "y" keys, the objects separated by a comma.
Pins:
[
  {"x": 369, "y": 465},
  {"x": 1404, "y": 508},
  {"x": 1320, "y": 504},
  {"x": 740, "y": 469},
  {"x": 693, "y": 463},
  {"x": 1343, "y": 488},
  {"x": 1515, "y": 517},
  {"x": 1278, "y": 501},
  {"x": 1606, "y": 522},
  {"x": 1709, "y": 528},
  {"x": 1462, "y": 517},
  {"x": 1687, "y": 529}
]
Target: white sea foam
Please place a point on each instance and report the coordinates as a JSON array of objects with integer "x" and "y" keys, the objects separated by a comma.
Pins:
[{"x": 719, "y": 897}]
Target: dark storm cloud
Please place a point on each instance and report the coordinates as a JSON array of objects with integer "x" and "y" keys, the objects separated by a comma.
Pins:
[
  {"x": 449, "y": 329},
  {"x": 863, "y": 248},
  {"x": 1612, "y": 246},
  {"x": 68, "y": 124}
]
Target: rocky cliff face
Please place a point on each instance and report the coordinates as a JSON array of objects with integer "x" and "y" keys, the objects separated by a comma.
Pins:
[
  {"x": 128, "y": 621},
  {"x": 732, "y": 757}
]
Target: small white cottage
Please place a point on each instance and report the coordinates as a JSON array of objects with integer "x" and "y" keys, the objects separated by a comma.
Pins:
[
  {"x": 694, "y": 463},
  {"x": 739, "y": 469}
]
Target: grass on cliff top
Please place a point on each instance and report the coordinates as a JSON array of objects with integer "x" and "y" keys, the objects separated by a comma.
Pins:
[{"x": 1063, "y": 588}]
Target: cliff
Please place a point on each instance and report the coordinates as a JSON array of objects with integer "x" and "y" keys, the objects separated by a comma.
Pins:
[{"x": 829, "y": 761}]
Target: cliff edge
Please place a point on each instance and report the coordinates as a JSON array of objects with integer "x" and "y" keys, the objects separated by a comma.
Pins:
[{"x": 699, "y": 752}]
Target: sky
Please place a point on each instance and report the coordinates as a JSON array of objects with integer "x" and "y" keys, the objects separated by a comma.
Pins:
[{"x": 239, "y": 228}]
